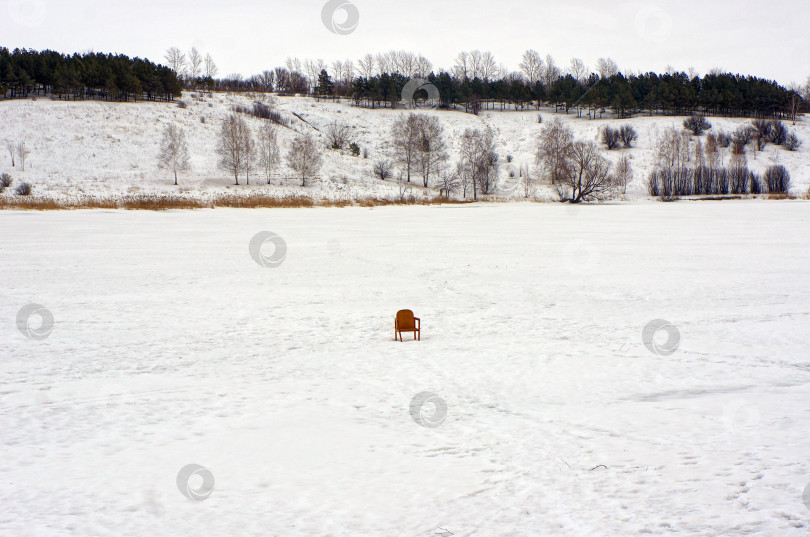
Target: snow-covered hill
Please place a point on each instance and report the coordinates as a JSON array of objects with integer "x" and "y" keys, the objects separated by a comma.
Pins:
[{"x": 98, "y": 148}]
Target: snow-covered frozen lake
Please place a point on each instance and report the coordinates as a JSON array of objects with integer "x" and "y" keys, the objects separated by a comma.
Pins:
[{"x": 171, "y": 346}]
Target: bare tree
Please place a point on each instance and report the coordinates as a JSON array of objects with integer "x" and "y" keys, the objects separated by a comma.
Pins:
[
  {"x": 195, "y": 65},
  {"x": 250, "y": 149},
  {"x": 404, "y": 136},
  {"x": 431, "y": 151},
  {"x": 763, "y": 132},
  {"x": 553, "y": 149},
  {"x": 532, "y": 66},
  {"x": 367, "y": 66},
  {"x": 210, "y": 68},
  {"x": 423, "y": 67},
  {"x": 527, "y": 182},
  {"x": 796, "y": 103},
  {"x": 267, "y": 81},
  {"x": 231, "y": 146},
  {"x": 305, "y": 157},
  {"x": 384, "y": 63},
  {"x": 337, "y": 135},
  {"x": 12, "y": 151},
  {"x": 382, "y": 169},
  {"x": 624, "y": 173},
  {"x": 806, "y": 91},
  {"x": 478, "y": 162},
  {"x": 282, "y": 80},
  {"x": 448, "y": 184},
  {"x": 697, "y": 123},
  {"x": 22, "y": 154},
  {"x": 174, "y": 154},
  {"x": 461, "y": 69},
  {"x": 488, "y": 68},
  {"x": 589, "y": 177},
  {"x": 628, "y": 135},
  {"x": 176, "y": 60},
  {"x": 269, "y": 155},
  {"x": 606, "y": 67},
  {"x": 712, "y": 153},
  {"x": 673, "y": 151},
  {"x": 312, "y": 69},
  {"x": 552, "y": 72},
  {"x": 611, "y": 137},
  {"x": 577, "y": 69}
]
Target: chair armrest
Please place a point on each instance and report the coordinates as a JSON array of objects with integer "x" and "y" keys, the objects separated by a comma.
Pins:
[{"x": 418, "y": 322}]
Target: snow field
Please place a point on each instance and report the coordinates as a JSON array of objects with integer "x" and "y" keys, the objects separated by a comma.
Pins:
[{"x": 171, "y": 346}]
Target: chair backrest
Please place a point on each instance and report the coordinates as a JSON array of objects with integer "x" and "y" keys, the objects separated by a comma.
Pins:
[{"x": 405, "y": 319}]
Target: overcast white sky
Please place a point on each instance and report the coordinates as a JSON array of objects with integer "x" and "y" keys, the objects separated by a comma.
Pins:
[{"x": 768, "y": 39}]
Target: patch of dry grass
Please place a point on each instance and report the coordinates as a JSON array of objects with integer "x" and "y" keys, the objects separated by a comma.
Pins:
[{"x": 155, "y": 202}]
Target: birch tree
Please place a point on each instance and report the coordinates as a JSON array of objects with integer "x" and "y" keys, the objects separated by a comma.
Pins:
[{"x": 174, "y": 154}]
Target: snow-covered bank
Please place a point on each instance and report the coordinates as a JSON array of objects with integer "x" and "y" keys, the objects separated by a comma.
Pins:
[
  {"x": 172, "y": 346},
  {"x": 97, "y": 149}
]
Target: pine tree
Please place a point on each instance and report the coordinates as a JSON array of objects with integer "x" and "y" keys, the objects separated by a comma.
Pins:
[{"x": 325, "y": 85}]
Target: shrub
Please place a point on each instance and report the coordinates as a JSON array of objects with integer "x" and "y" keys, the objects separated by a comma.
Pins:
[
  {"x": 744, "y": 134},
  {"x": 365, "y": 152},
  {"x": 697, "y": 124},
  {"x": 355, "y": 149},
  {"x": 610, "y": 137},
  {"x": 738, "y": 179},
  {"x": 202, "y": 119},
  {"x": 337, "y": 135},
  {"x": 182, "y": 104},
  {"x": 763, "y": 132},
  {"x": 5, "y": 180},
  {"x": 777, "y": 179},
  {"x": 382, "y": 169},
  {"x": 261, "y": 111},
  {"x": 778, "y": 133},
  {"x": 628, "y": 135},
  {"x": 509, "y": 158},
  {"x": 792, "y": 142},
  {"x": 755, "y": 183},
  {"x": 723, "y": 139},
  {"x": 23, "y": 189},
  {"x": 539, "y": 118}
]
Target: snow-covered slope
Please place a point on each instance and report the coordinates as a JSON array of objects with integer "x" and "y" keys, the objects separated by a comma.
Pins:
[{"x": 96, "y": 148}]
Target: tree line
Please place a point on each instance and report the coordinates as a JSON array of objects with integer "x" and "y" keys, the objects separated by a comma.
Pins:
[
  {"x": 114, "y": 77},
  {"x": 477, "y": 81}
]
